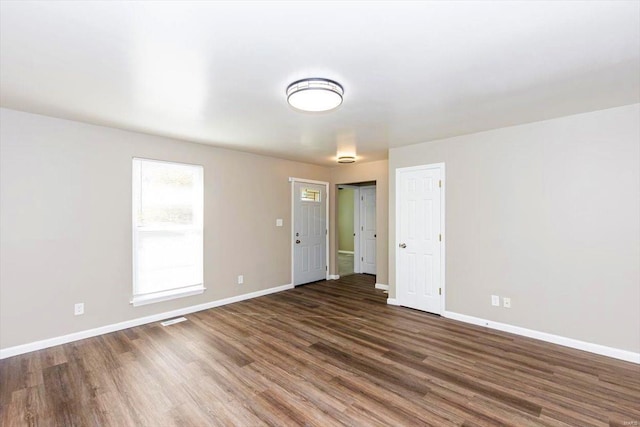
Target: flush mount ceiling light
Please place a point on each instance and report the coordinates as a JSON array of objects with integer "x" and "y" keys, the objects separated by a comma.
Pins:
[
  {"x": 314, "y": 94},
  {"x": 346, "y": 159}
]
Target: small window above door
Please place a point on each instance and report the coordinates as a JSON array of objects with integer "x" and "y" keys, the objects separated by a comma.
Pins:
[{"x": 310, "y": 195}]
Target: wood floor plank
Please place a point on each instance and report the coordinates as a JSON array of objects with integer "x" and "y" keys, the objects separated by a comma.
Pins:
[{"x": 326, "y": 354}]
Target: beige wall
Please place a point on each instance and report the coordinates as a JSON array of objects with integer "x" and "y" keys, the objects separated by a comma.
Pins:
[
  {"x": 65, "y": 192},
  {"x": 548, "y": 215},
  {"x": 363, "y": 172},
  {"x": 545, "y": 213},
  {"x": 345, "y": 219}
]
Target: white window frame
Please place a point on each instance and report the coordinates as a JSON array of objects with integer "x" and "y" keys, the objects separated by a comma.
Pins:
[{"x": 150, "y": 298}]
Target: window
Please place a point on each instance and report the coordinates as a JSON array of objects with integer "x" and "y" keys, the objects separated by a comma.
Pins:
[
  {"x": 167, "y": 230},
  {"x": 310, "y": 195}
]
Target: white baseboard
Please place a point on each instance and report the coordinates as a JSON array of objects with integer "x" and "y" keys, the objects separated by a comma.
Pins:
[
  {"x": 616, "y": 353},
  {"x": 392, "y": 301},
  {"x": 334, "y": 276},
  {"x": 382, "y": 286},
  {"x": 346, "y": 252},
  {"x": 50, "y": 342}
]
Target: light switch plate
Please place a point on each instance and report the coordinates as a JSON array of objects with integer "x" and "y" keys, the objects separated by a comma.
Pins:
[
  {"x": 495, "y": 300},
  {"x": 279, "y": 222}
]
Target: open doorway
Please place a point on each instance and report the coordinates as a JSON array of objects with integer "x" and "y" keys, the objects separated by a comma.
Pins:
[
  {"x": 346, "y": 230},
  {"x": 356, "y": 227}
]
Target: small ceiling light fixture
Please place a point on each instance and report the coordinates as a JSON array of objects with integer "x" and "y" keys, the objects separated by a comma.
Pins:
[
  {"x": 347, "y": 159},
  {"x": 315, "y": 94}
]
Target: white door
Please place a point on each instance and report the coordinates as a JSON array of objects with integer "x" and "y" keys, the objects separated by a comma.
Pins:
[
  {"x": 368, "y": 230},
  {"x": 309, "y": 232},
  {"x": 419, "y": 230}
]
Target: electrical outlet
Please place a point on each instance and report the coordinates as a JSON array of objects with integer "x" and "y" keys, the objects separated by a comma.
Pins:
[
  {"x": 240, "y": 279},
  {"x": 279, "y": 222},
  {"x": 78, "y": 309},
  {"x": 495, "y": 300},
  {"x": 506, "y": 302}
]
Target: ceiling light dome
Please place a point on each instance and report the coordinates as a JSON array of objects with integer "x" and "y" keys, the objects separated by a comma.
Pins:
[
  {"x": 314, "y": 94},
  {"x": 346, "y": 159}
]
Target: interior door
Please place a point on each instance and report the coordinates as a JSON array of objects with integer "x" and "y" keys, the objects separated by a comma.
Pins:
[
  {"x": 419, "y": 237},
  {"x": 309, "y": 232},
  {"x": 368, "y": 230}
]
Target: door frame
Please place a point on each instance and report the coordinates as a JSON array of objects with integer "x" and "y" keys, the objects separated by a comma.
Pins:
[
  {"x": 293, "y": 180},
  {"x": 356, "y": 224},
  {"x": 443, "y": 251},
  {"x": 360, "y": 232}
]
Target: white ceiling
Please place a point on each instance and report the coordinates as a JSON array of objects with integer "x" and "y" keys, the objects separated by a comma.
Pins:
[{"x": 216, "y": 73}]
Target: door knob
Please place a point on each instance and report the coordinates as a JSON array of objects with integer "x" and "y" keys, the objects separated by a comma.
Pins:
[
  {"x": 297, "y": 242},
  {"x": 403, "y": 245}
]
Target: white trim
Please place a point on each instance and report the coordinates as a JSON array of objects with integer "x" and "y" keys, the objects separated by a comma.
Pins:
[
  {"x": 333, "y": 277},
  {"x": 443, "y": 230},
  {"x": 171, "y": 162},
  {"x": 139, "y": 300},
  {"x": 293, "y": 180},
  {"x": 616, "y": 353},
  {"x": 357, "y": 251},
  {"x": 392, "y": 301},
  {"x": 346, "y": 252},
  {"x": 50, "y": 342},
  {"x": 382, "y": 286},
  {"x": 309, "y": 181}
]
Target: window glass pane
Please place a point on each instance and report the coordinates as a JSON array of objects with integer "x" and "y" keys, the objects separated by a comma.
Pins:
[
  {"x": 168, "y": 260},
  {"x": 167, "y": 194},
  {"x": 310, "y": 195},
  {"x": 167, "y": 226}
]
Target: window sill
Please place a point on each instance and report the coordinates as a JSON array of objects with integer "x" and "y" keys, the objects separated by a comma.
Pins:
[{"x": 167, "y": 295}]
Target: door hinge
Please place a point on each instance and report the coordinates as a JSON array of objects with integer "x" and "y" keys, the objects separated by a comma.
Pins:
[
  {"x": 440, "y": 183},
  {"x": 440, "y": 237},
  {"x": 325, "y": 268},
  {"x": 362, "y": 198},
  {"x": 362, "y": 259},
  {"x": 326, "y": 231},
  {"x": 362, "y": 228},
  {"x": 439, "y": 291}
]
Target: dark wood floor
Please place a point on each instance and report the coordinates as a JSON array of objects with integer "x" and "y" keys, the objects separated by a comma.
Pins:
[{"x": 330, "y": 353}]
